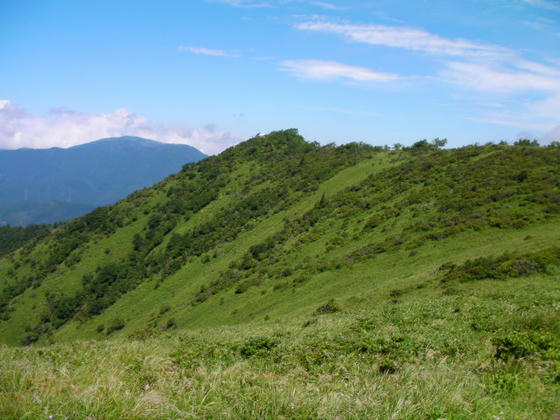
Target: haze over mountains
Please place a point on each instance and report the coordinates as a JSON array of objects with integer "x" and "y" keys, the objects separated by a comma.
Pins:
[{"x": 50, "y": 185}]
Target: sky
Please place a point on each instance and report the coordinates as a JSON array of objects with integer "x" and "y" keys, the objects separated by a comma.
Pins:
[{"x": 211, "y": 73}]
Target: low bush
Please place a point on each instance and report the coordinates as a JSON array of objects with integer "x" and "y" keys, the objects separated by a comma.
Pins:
[
  {"x": 115, "y": 325},
  {"x": 519, "y": 345},
  {"x": 257, "y": 346},
  {"x": 501, "y": 267},
  {"x": 328, "y": 308}
]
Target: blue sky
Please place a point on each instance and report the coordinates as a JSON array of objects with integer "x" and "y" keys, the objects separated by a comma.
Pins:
[{"x": 211, "y": 73}]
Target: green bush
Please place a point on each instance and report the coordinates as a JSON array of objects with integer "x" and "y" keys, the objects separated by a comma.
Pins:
[
  {"x": 257, "y": 346},
  {"x": 115, "y": 325},
  {"x": 527, "y": 344},
  {"x": 328, "y": 308},
  {"x": 501, "y": 267}
]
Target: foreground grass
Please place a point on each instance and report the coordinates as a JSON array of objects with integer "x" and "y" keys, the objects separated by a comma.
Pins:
[{"x": 482, "y": 349}]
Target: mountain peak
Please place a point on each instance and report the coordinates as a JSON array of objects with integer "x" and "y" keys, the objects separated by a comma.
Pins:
[
  {"x": 91, "y": 174},
  {"x": 128, "y": 141}
]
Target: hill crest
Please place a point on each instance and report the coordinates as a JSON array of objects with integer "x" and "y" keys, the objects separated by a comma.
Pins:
[{"x": 275, "y": 226}]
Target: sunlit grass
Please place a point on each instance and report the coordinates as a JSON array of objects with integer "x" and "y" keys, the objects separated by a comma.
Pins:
[{"x": 428, "y": 354}]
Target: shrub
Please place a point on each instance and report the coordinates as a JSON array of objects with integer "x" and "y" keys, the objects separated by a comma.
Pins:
[
  {"x": 525, "y": 344},
  {"x": 501, "y": 267},
  {"x": 257, "y": 346},
  {"x": 328, "y": 308},
  {"x": 30, "y": 338},
  {"x": 115, "y": 325},
  {"x": 387, "y": 367}
]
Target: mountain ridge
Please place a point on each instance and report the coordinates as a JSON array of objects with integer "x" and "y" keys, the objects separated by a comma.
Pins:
[
  {"x": 285, "y": 279},
  {"x": 90, "y": 174},
  {"x": 269, "y": 195}
]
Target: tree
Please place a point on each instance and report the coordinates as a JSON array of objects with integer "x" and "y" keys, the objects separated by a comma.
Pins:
[
  {"x": 439, "y": 143},
  {"x": 526, "y": 142}
]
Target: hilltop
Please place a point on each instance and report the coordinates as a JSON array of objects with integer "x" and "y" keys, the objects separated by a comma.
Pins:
[
  {"x": 51, "y": 185},
  {"x": 346, "y": 267}
]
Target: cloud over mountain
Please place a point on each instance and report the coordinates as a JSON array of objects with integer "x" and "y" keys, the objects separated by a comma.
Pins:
[{"x": 64, "y": 128}]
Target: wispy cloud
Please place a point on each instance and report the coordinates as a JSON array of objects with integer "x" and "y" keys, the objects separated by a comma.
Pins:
[
  {"x": 552, "y": 135},
  {"x": 206, "y": 51},
  {"x": 545, "y": 4},
  {"x": 407, "y": 38},
  {"x": 247, "y": 4},
  {"x": 65, "y": 128},
  {"x": 332, "y": 70},
  {"x": 510, "y": 122},
  {"x": 495, "y": 72},
  {"x": 538, "y": 82},
  {"x": 523, "y": 77},
  {"x": 542, "y": 24},
  {"x": 338, "y": 110},
  {"x": 546, "y": 108},
  {"x": 259, "y": 4},
  {"x": 491, "y": 104},
  {"x": 325, "y": 5}
]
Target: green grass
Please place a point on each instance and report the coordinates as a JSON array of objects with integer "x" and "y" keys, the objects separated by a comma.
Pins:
[
  {"x": 281, "y": 279},
  {"x": 420, "y": 353}
]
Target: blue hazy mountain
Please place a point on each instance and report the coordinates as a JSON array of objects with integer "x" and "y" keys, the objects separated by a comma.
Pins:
[{"x": 47, "y": 185}]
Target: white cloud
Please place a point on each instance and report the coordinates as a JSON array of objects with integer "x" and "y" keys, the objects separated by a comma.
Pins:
[
  {"x": 206, "y": 51},
  {"x": 407, "y": 38},
  {"x": 547, "y": 108},
  {"x": 536, "y": 87},
  {"x": 487, "y": 73},
  {"x": 332, "y": 70},
  {"x": 325, "y": 5},
  {"x": 525, "y": 77},
  {"x": 65, "y": 128}
]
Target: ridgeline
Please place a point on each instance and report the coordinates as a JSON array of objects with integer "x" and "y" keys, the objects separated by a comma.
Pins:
[{"x": 352, "y": 266}]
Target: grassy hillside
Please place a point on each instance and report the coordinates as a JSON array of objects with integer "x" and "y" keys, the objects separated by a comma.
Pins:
[{"x": 281, "y": 278}]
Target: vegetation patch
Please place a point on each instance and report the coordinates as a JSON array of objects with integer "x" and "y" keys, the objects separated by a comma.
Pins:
[
  {"x": 501, "y": 267},
  {"x": 328, "y": 308}
]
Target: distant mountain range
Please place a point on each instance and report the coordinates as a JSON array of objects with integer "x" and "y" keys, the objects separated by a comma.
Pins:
[{"x": 49, "y": 185}]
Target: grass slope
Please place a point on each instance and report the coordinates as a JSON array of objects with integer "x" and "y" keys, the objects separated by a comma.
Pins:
[
  {"x": 422, "y": 353},
  {"x": 281, "y": 278}
]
